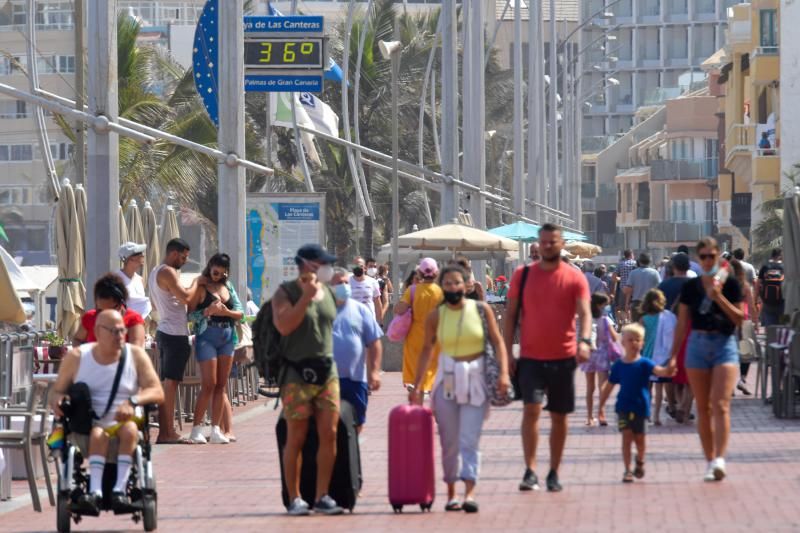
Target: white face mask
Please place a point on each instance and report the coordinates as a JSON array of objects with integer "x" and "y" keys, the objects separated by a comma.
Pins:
[
  {"x": 325, "y": 273},
  {"x": 372, "y": 272}
]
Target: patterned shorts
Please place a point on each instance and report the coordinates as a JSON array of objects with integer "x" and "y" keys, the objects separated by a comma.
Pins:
[{"x": 301, "y": 400}]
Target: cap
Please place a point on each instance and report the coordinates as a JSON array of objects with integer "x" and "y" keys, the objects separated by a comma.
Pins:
[
  {"x": 315, "y": 252},
  {"x": 428, "y": 267},
  {"x": 130, "y": 248},
  {"x": 500, "y": 278},
  {"x": 680, "y": 262}
]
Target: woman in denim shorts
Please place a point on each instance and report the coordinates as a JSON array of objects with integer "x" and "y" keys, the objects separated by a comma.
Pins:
[
  {"x": 214, "y": 311},
  {"x": 712, "y": 303}
]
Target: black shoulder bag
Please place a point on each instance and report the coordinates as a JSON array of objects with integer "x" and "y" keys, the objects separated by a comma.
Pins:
[{"x": 79, "y": 413}]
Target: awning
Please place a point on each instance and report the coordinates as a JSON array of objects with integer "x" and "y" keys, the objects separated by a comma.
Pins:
[{"x": 716, "y": 60}]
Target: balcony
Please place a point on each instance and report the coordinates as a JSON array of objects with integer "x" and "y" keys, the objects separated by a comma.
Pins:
[
  {"x": 680, "y": 170},
  {"x": 740, "y": 209},
  {"x": 678, "y": 232},
  {"x": 765, "y": 64},
  {"x": 766, "y": 167},
  {"x": 740, "y": 139}
]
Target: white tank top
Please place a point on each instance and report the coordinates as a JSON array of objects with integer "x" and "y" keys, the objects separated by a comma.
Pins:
[
  {"x": 100, "y": 379},
  {"x": 171, "y": 312}
]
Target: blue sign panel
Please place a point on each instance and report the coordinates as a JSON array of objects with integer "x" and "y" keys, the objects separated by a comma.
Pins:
[
  {"x": 297, "y": 211},
  {"x": 283, "y": 83},
  {"x": 284, "y": 24}
]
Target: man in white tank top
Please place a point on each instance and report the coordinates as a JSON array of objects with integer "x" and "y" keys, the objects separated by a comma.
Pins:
[
  {"x": 170, "y": 298},
  {"x": 96, "y": 365}
]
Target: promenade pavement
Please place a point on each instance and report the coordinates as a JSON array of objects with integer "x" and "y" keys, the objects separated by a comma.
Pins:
[{"x": 237, "y": 487}]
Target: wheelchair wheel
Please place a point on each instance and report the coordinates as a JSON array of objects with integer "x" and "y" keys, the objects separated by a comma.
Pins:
[
  {"x": 149, "y": 512},
  {"x": 63, "y": 518}
]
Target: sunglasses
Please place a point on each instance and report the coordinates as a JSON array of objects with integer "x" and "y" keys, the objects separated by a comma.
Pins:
[
  {"x": 703, "y": 257},
  {"x": 116, "y": 331}
]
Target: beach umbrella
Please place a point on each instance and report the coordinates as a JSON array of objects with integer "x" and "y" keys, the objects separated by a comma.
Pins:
[
  {"x": 123, "y": 226},
  {"x": 170, "y": 229},
  {"x": 518, "y": 231},
  {"x": 133, "y": 221},
  {"x": 11, "y": 279},
  {"x": 584, "y": 250},
  {"x": 80, "y": 209},
  {"x": 152, "y": 254},
  {"x": 791, "y": 251},
  {"x": 456, "y": 237},
  {"x": 69, "y": 247}
]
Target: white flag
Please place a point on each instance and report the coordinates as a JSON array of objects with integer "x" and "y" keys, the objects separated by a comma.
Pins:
[{"x": 320, "y": 113}]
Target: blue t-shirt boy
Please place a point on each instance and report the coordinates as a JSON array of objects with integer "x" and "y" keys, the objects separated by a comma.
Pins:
[{"x": 633, "y": 379}]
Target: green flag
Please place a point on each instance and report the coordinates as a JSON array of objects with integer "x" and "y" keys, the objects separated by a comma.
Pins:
[{"x": 3, "y": 234}]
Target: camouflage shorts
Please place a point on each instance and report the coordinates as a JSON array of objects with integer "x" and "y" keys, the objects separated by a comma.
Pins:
[{"x": 302, "y": 400}]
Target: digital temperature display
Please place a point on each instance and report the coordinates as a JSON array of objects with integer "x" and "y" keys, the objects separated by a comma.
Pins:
[{"x": 283, "y": 53}]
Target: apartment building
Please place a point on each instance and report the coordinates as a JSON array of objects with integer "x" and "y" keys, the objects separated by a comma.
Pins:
[
  {"x": 748, "y": 71},
  {"x": 26, "y": 207},
  {"x": 657, "y": 49},
  {"x": 666, "y": 196}
]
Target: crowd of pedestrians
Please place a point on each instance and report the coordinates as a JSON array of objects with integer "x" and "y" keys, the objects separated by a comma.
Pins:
[{"x": 669, "y": 331}]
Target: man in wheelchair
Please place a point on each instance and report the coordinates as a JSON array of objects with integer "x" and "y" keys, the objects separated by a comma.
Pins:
[{"x": 119, "y": 378}]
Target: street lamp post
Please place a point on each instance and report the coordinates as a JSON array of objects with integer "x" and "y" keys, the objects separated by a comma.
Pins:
[{"x": 391, "y": 50}]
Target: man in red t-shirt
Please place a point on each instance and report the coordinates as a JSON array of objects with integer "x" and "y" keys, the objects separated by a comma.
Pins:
[
  {"x": 110, "y": 293},
  {"x": 553, "y": 293}
]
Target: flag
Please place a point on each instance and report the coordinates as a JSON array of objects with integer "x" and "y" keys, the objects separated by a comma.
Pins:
[
  {"x": 281, "y": 112},
  {"x": 320, "y": 113},
  {"x": 334, "y": 71},
  {"x": 4, "y": 235}
]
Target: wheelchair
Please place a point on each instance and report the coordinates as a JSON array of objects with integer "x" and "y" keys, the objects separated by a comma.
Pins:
[{"x": 73, "y": 479}]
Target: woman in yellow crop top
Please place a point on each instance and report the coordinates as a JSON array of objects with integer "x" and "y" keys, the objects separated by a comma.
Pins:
[{"x": 460, "y": 399}]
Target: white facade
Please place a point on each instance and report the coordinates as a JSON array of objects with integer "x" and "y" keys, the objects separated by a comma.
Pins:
[
  {"x": 790, "y": 89},
  {"x": 659, "y": 47}
]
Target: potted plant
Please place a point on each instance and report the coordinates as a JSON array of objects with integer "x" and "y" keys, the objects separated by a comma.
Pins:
[{"x": 55, "y": 348}]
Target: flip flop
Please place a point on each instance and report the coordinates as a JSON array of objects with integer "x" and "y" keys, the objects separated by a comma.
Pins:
[
  {"x": 470, "y": 506},
  {"x": 453, "y": 505},
  {"x": 179, "y": 440},
  {"x": 627, "y": 477}
]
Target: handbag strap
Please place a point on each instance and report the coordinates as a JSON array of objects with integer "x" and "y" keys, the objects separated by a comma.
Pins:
[
  {"x": 487, "y": 341},
  {"x": 117, "y": 378}
]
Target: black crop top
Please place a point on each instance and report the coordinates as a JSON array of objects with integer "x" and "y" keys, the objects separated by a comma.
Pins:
[
  {"x": 210, "y": 299},
  {"x": 693, "y": 294}
]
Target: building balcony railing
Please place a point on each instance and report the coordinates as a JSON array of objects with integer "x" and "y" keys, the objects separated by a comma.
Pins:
[
  {"x": 665, "y": 231},
  {"x": 679, "y": 169}
]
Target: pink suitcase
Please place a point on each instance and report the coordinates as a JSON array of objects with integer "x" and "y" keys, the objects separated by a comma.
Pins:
[{"x": 411, "y": 471}]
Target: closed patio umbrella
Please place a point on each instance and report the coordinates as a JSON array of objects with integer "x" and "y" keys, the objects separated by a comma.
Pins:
[
  {"x": 791, "y": 251},
  {"x": 123, "y": 226},
  {"x": 80, "y": 209},
  {"x": 69, "y": 247},
  {"x": 152, "y": 254},
  {"x": 170, "y": 229},
  {"x": 133, "y": 221}
]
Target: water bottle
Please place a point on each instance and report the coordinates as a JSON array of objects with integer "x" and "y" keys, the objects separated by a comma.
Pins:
[{"x": 719, "y": 279}]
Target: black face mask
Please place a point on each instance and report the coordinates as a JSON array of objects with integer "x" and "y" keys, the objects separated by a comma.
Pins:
[
  {"x": 453, "y": 297},
  {"x": 358, "y": 271}
]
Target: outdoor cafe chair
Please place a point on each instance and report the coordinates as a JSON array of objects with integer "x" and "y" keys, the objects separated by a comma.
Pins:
[{"x": 31, "y": 435}]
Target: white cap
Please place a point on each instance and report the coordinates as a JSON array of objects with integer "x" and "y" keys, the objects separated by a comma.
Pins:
[{"x": 130, "y": 248}]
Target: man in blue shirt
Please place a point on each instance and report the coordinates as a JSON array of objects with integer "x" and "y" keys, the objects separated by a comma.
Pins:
[
  {"x": 357, "y": 347},
  {"x": 694, "y": 266}
]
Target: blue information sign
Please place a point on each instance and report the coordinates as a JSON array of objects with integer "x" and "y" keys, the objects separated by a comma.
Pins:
[
  {"x": 285, "y": 24},
  {"x": 283, "y": 83}
]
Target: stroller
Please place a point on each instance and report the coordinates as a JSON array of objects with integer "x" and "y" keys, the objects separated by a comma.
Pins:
[{"x": 73, "y": 477}]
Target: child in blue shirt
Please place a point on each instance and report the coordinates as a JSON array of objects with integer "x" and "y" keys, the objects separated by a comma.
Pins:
[{"x": 632, "y": 373}]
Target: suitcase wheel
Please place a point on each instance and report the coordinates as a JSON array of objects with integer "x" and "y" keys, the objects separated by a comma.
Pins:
[
  {"x": 397, "y": 509},
  {"x": 426, "y": 506}
]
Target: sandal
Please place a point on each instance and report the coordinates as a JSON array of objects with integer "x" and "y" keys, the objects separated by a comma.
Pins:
[
  {"x": 470, "y": 506},
  {"x": 590, "y": 422},
  {"x": 639, "y": 470},
  {"x": 627, "y": 477},
  {"x": 602, "y": 420},
  {"x": 453, "y": 505}
]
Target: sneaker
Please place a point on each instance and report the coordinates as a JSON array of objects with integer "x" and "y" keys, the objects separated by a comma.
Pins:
[
  {"x": 709, "y": 475},
  {"x": 742, "y": 386},
  {"x": 529, "y": 481},
  {"x": 327, "y": 505},
  {"x": 89, "y": 504},
  {"x": 298, "y": 507},
  {"x": 552, "y": 482},
  {"x": 718, "y": 468},
  {"x": 120, "y": 503},
  {"x": 197, "y": 436},
  {"x": 217, "y": 437}
]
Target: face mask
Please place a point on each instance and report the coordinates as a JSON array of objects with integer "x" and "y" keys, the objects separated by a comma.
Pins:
[
  {"x": 358, "y": 271},
  {"x": 325, "y": 273},
  {"x": 453, "y": 297},
  {"x": 342, "y": 291},
  {"x": 372, "y": 272},
  {"x": 713, "y": 270}
]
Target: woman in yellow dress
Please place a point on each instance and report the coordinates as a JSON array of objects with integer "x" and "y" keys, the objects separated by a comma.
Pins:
[{"x": 427, "y": 296}]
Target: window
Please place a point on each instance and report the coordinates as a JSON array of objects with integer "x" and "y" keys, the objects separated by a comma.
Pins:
[
  {"x": 769, "y": 28},
  {"x": 46, "y": 65},
  {"x": 18, "y": 14},
  {"x": 628, "y": 197},
  {"x": 21, "y": 152},
  {"x": 3, "y": 153},
  {"x": 6, "y": 197},
  {"x": 54, "y": 15},
  {"x": 66, "y": 64},
  {"x": 619, "y": 198}
]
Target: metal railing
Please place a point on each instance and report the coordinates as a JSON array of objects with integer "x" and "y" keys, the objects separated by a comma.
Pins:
[
  {"x": 683, "y": 169},
  {"x": 665, "y": 231},
  {"x": 16, "y": 363},
  {"x": 740, "y": 138},
  {"x": 767, "y": 51}
]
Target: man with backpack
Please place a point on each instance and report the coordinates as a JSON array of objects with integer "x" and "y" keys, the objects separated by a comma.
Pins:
[
  {"x": 301, "y": 352},
  {"x": 770, "y": 289}
]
